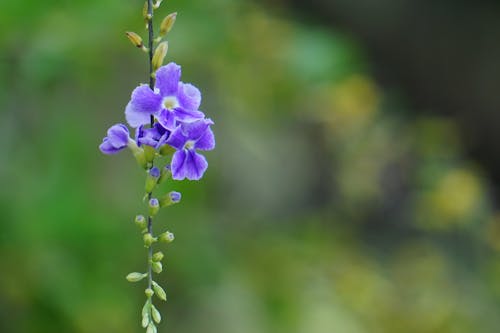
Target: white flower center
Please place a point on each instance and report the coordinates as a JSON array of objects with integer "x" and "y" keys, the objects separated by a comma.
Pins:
[
  {"x": 189, "y": 144},
  {"x": 170, "y": 102}
]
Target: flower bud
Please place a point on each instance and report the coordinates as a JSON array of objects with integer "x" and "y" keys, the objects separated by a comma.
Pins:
[
  {"x": 157, "y": 267},
  {"x": 149, "y": 292},
  {"x": 159, "y": 55},
  {"x": 145, "y": 320},
  {"x": 166, "y": 237},
  {"x": 170, "y": 199},
  {"x": 159, "y": 291},
  {"x": 148, "y": 239},
  {"x": 166, "y": 172},
  {"x": 167, "y": 24},
  {"x": 135, "y": 277},
  {"x": 149, "y": 153},
  {"x": 135, "y": 39},
  {"x": 155, "y": 314},
  {"x": 151, "y": 328},
  {"x": 138, "y": 153},
  {"x": 158, "y": 256},
  {"x": 166, "y": 150},
  {"x": 152, "y": 179},
  {"x": 157, "y": 4},
  {"x": 154, "y": 206},
  {"x": 140, "y": 221},
  {"x": 145, "y": 13}
]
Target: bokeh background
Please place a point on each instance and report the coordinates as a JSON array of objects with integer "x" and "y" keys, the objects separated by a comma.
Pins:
[{"x": 353, "y": 188}]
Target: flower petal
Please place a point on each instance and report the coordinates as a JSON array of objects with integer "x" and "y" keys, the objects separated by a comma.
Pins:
[
  {"x": 206, "y": 141},
  {"x": 188, "y": 164},
  {"x": 136, "y": 118},
  {"x": 167, "y": 79},
  {"x": 196, "y": 129},
  {"x": 118, "y": 135},
  {"x": 185, "y": 115},
  {"x": 145, "y": 100},
  {"x": 166, "y": 118},
  {"x": 189, "y": 96},
  {"x": 107, "y": 148},
  {"x": 177, "y": 138}
]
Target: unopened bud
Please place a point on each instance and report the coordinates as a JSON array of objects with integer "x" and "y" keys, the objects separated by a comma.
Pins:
[
  {"x": 138, "y": 153},
  {"x": 135, "y": 39},
  {"x": 166, "y": 237},
  {"x": 152, "y": 179},
  {"x": 148, "y": 239},
  {"x": 155, "y": 314},
  {"x": 170, "y": 199},
  {"x": 135, "y": 277},
  {"x": 166, "y": 150},
  {"x": 154, "y": 206},
  {"x": 149, "y": 153},
  {"x": 159, "y": 55},
  {"x": 145, "y": 12},
  {"x": 149, "y": 292},
  {"x": 140, "y": 221},
  {"x": 166, "y": 172},
  {"x": 157, "y": 267},
  {"x": 158, "y": 256},
  {"x": 159, "y": 291},
  {"x": 157, "y": 4},
  {"x": 167, "y": 24},
  {"x": 151, "y": 328}
]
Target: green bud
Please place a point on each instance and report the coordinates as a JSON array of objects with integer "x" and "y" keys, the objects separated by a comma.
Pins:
[
  {"x": 166, "y": 150},
  {"x": 145, "y": 320},
  {"x": 166, "y": 172},
  {"x": 151, "y": 328},
  {"x": 167, "y": 24},
  {"x": 136, "y": 277},
  {"x": 154, "y": 206},
  {"x": 146, "y": 307},
  {"x": 157, "y": 267},
  {"x": 158, "y": 256},
  {"x": 149, "y": 153},
  {"x": 152, "y": 179},
  {"x": 159, "y": 291},
  {"x": 166, "y": 237},
  {"x": 149, "y": 292},
  {"x": 138, "y": 153},
  {"x": 149, "y": 239},
  {"x": 159, "y": 55},
  {"x": 155, "y": 314},
  {"x": 157, "y": 4},
  {"x": 170, "y": 198},
  {"x": 140, "y": 221}
]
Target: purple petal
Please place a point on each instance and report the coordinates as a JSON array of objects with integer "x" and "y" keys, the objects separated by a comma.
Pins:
[
  {"x": 167, "y": 79},
  {"x": 145, "y": 100},
  {"x": 206, "y": 141},
  {"x": 136, "y": 118},
  {"x": 166, "y": 118},
  {"x": 107, "y": 148},
  {"x": 177, "y": 139},
  {"x": 185, "y": 115},
  {"x": 118, "y": 135},
  {"x": 188, "y": 164},
  {"x": 189, "y": 96},
  {"x": 196, "y": 129}
]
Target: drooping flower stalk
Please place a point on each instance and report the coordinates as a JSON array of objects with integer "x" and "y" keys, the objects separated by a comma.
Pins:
[{"x": 168, "y": 125}]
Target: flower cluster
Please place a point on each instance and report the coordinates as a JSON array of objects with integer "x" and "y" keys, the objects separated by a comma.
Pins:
[{"x": 178, "y": 124}]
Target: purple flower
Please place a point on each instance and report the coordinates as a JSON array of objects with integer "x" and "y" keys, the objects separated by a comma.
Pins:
[
  {"x": 187, "y": 138},
  {"x": 117, "y": 139},
  {"x": 154, "y": 137},
  {"x": 170, "y": 102}
]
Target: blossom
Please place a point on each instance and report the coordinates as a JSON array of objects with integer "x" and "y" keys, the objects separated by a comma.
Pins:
[
  {"x": 187, "y": 138},
  {"x": 170, "y": 101},
  {"x": 117, "y": 139},
  {"x": 155, "y": 136}
]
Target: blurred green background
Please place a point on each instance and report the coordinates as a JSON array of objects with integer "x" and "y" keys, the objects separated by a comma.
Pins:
[{"x": 331, "y": 203}]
